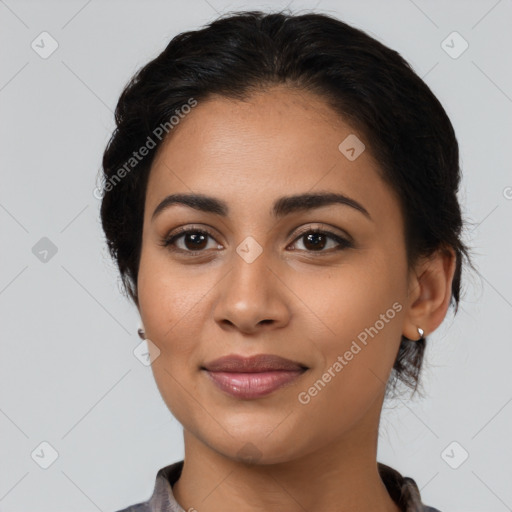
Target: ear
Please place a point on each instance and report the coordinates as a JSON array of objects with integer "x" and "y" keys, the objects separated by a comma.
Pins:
[{"x": 430, "y": 288}]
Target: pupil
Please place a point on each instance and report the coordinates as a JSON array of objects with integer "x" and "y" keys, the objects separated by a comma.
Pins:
[
  {"x": 197, "y": 239},
  {"x": 313, "y": 237}
]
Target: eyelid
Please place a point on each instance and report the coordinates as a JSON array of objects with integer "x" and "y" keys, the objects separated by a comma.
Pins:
[{"x": 325, "y": 228}]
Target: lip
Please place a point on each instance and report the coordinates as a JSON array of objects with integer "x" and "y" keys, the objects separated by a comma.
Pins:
[
  {"x": 252, "y": 377},
  {"x": 254, "y": 364},
  {"x": 252, "y": 385}
]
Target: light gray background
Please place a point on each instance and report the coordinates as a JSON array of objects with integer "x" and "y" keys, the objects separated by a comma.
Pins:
[{"x": 68, "y": 373}]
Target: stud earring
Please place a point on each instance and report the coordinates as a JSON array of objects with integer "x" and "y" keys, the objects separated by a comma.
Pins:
[
  {"x": 420, "y": 332},
  {"x": 141, "y": 333}
]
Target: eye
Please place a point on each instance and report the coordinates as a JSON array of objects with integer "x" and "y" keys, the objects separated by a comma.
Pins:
[
  {"x": 194, "y": 240},
  {"x": 315, "y": 240}
]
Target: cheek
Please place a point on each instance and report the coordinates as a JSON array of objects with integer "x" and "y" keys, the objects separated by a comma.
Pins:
[
  {"x": 172, "y": 301},
  {"x": 353, "y": 296},
  {"x": 162, "y": 303},
  {"x": 359, "y": 308},
  {"x": 170, "y": 308},
  {"x": 168, "y": 295}
]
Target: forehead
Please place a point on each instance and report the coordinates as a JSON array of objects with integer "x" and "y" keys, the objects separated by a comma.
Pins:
[{"x": 279, "y": 141}]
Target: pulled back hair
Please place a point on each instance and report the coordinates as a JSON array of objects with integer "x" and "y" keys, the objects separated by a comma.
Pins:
[{"x": 370, "y": 85}]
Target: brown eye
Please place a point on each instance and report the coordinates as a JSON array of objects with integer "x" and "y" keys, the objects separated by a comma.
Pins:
[
  {"x": 193, "y": 240},
  {"x": 315, "y": 240},
  {"x": 196, "y": 241}
]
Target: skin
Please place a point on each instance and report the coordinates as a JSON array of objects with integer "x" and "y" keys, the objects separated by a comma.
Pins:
[{"x": 293, "y": 300}]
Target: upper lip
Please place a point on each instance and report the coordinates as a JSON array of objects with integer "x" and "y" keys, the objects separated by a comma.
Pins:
[{"x": 253, "y": 364}]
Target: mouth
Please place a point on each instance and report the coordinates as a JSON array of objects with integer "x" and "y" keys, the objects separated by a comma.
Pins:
[{"x": 252, "y": 377}]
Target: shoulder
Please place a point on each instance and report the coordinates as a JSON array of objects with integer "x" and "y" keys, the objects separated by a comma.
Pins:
[
  {"x": 162, "y": 497},
  {"x": 403, "y": 490}
]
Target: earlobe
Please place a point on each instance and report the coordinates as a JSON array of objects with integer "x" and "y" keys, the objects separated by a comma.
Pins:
[{"x": 430, "y": 293}]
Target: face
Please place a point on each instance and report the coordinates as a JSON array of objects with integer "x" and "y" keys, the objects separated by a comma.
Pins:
[{"x": 252, "y": 278}]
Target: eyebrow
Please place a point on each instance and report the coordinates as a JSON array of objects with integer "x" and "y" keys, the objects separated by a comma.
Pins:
[{"x": 282, "y": 206}]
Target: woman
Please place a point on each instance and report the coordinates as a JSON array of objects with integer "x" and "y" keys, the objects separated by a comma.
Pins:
[{"x": 280, "y": 196}]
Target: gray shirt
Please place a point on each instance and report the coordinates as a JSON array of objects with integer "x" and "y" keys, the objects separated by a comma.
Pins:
[{"x": 403, "y": 490}]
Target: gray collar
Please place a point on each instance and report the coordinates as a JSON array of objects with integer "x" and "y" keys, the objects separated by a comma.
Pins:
[{"x": 403, "y": 490}]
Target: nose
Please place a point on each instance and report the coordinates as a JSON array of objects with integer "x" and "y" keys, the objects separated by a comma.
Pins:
[{"x": 252, "y": 297}]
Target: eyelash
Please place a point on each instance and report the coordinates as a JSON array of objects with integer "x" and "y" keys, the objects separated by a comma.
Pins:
[{"x": 169, "y": 241}]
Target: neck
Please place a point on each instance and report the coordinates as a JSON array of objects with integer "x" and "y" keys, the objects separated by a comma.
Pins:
[{"x": 342, "y": 475}]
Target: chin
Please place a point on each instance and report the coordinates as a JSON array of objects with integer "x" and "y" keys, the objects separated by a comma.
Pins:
[{"x": 258, "y": 449}]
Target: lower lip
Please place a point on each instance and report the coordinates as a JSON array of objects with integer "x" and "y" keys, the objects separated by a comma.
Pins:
[{"x": 253, "y": 385}]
